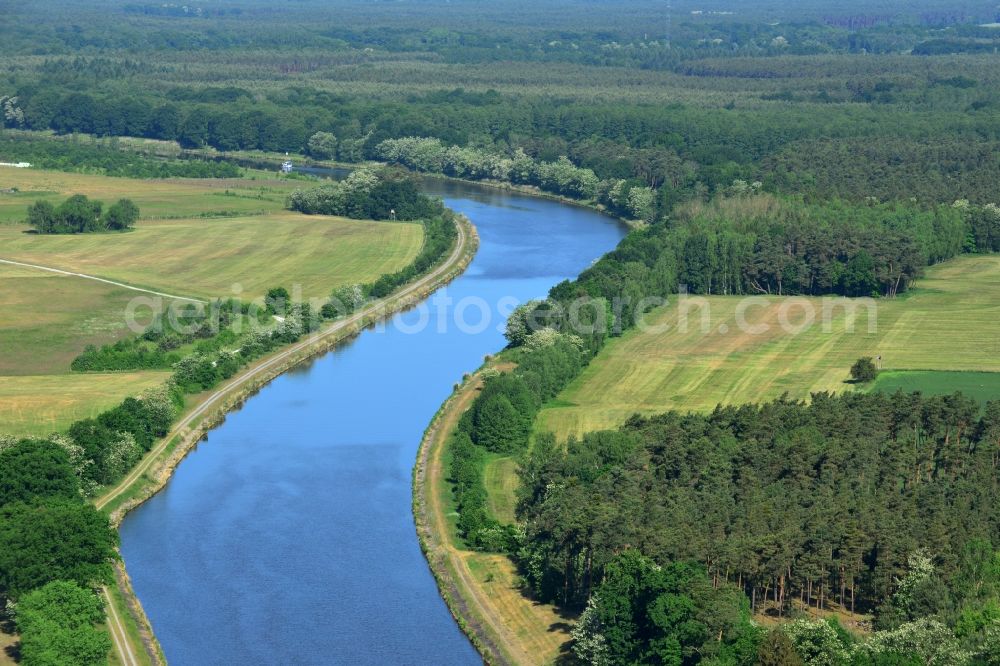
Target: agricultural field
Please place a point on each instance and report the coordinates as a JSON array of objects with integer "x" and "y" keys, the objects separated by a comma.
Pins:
[
  {"x": 206, "y": 257},
  {"x": 948, "y": 323},
  {"x": 37, "y": 405},
  {"x": 157, "y": 199},
  {"x": 981, "y": 386},
  {"x": 50, "y": 318}
]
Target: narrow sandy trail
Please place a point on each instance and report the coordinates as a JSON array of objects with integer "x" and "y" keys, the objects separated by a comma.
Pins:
[
  {"x": 434, "y": 471},
  {"x": 118, "y": 634},
  {"x": 59, "y": 271}
]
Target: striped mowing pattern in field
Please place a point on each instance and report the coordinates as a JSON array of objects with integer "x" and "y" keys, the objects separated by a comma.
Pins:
[
  {"x": 37, "y": 405},
  {"x": 175, "y": 197},
  {"x": 48, "y": 319},
  {"x": 206, "y": 257},
  {"x": 948, "y": 323}
]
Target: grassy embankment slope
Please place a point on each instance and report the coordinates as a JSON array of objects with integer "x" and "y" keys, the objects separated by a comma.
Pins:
[
  {"x": 481, "y": 589},
  {"x": 50, "y": 318},
  {"x": 933, "y": 339}
]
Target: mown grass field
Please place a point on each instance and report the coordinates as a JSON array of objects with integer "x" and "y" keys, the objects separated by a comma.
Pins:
[
  {"x": 981, "y": 386},
  {"x": 157, "y": 199},
  {"x": 500, "y": 479},
  {"x": 48, "y": 319},
  {"x": 37, "y": 405},
  {"x": 206, "y": 257},
  {"x": 948, "y": 323}
]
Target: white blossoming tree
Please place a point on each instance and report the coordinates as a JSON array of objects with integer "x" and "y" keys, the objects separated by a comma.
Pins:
[
  {"x": 926, "y": 638},
  {"x": 589, "y": 644},
  {"x": 817, "y": 643}
]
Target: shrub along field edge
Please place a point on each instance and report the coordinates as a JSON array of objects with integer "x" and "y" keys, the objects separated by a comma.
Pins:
[{"x": 270, "y": 160}]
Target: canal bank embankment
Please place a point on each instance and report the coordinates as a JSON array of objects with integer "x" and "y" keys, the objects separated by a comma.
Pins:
[{"x": 153, "y": 473}]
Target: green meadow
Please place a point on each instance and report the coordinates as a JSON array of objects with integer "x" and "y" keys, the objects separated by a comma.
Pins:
[
  {"x": 195, "y": 238},
  {"x": 981, "y": 386},
  {"x": 157, "y": 199},
  {"x": 948, "y": 323},
  {"x": 206, "y": 257}
]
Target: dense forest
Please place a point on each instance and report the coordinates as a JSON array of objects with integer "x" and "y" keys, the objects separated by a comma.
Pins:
[
  {"x": 105, "y": 159},
  {"x": 639, "y": 34},
  {"x": 682, "y": 150},
  {"x": 654, "y": 97},
  {"x": 54, "y": 547},
  {"x": 673, "y": 531},
  {"x": 876, "y": 503},
  {"x": 764, "y": 148}
]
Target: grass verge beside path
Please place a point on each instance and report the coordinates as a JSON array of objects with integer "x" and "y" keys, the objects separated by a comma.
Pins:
[
  {"x": 482, "y": 590},
  {"x": 131, "y": 633},
  {"x": 155, "y": 469},
  {"x": 123, "y": 652}
]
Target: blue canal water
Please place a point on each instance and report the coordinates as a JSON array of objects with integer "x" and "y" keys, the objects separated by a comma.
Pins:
[{"x": 287, "y": 537}]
